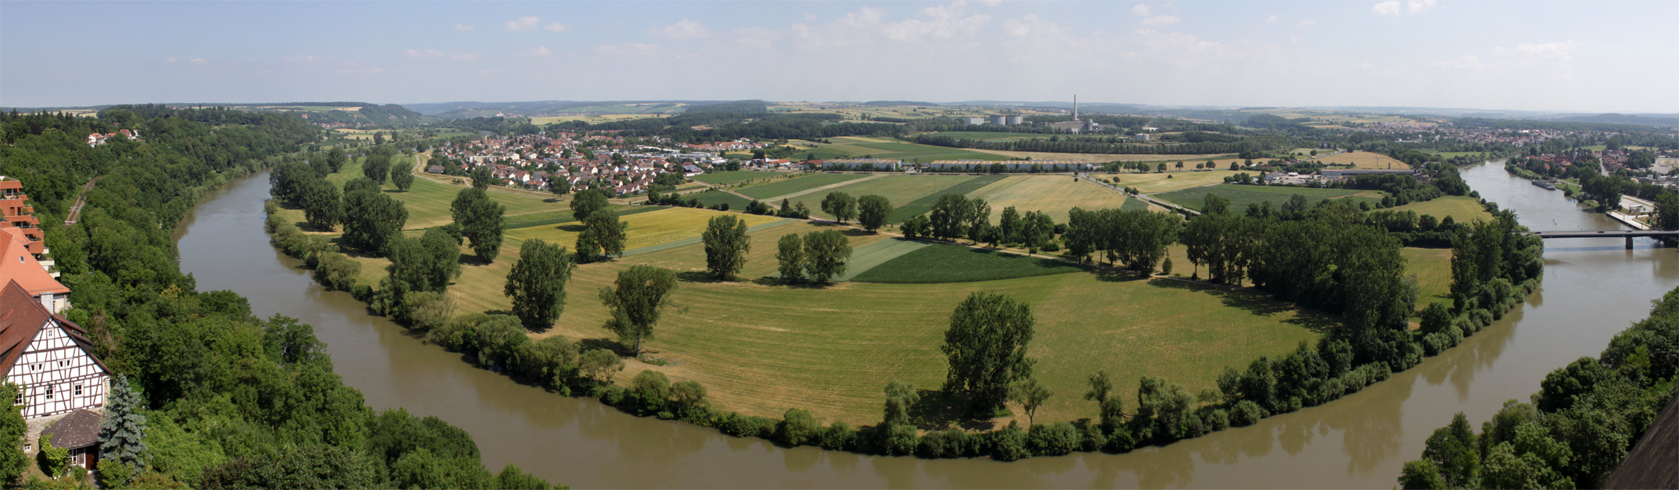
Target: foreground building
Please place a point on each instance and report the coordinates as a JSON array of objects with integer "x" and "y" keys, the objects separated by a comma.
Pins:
[{"x": 62, "y": 386}]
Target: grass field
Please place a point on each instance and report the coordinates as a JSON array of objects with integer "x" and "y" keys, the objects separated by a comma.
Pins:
[
  {"x": 721, "y": 178},
  {"x": 715, "y": 197},
  {"x": 1052, "y": 194},
  {"x": 1105, "y": 157},
  {"x": 991, "y": 135},
  {"x": 1462, "y": 209},
  {"x": 797, "y": 184},
  {"x": 1365, "y": 160},
  {"x": 1155, "y": 183},
  {"x": 644, "y": 229},
  {"x": 867, "y": 257},
  {"x": 892, "y": 149},
  {"x": 1433, "y": 268},
  {"x": 925, "y": 204},
  {"x": 942, "y": 263},
  {"x": 428, "y": 201},
  {"x": 1242, "y": 195},
  {"x": 900, "y": 189}
]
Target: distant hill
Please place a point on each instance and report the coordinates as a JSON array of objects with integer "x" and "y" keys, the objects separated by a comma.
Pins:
[{"x": 1665, "y": 120}]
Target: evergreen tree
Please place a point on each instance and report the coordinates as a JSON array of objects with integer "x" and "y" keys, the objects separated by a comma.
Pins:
[{"x": 122, "y": 432}]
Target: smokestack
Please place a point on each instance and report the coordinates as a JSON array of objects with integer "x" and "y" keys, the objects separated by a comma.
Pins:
[{"x": 1075, "y": 107}]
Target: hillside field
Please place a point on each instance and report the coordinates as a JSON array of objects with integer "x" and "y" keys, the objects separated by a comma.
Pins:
[
  {"x": 1365, "y": 160},
  {"x": 1462, "y": 209},
  {"x": 1241, "y": 196}
]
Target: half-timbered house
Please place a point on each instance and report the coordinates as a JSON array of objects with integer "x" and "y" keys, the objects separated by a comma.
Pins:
[{"x": 48, "y": 357}]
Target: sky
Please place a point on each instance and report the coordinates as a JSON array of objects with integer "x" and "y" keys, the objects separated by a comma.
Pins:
[{"x": 1570, "y": 56}]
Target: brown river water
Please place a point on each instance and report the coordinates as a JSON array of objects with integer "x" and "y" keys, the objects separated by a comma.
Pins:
[{"x": 1592, "y": 289}]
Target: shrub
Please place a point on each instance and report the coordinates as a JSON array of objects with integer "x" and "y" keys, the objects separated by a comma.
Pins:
[
  {"x": 428, "y": 310},
  {"x": 946, "y": 443},
  {"x": 1053, "y": 439},
  {"x": 797, "y": 428},
  {"x": 687, "y": 399},
  {"x": 1093, "y": 439},
  {"x": 612, "y": 395},
  {"x": 1246, "y": 413},
  {"x": 898, "y": 439},
  {"x": 742, "y": 426},
  {"x": 839, "y": 436},
  {"x": 651, "y": 390},
  {"x": 1120, "y": 440},
  {"x": 1218, "y": 420},
  {"x": 1009, "y": 444}
]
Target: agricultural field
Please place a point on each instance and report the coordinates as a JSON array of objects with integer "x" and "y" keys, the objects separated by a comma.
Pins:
[
  {"x": 1155, "y": 183},
  {"x": 944, "y": 263},
  {"x": 797, "y": 184},
  {"x": 925, "y": 204},
  {"x": 1052, "y": 194},
  {"x": 1462, "y": 209},
  {"x": 892, "y": 149},
  {"x": 1241, "y": 196},
  {"x": 592, "y": 119},
  {"x": 722, "y": 178},
  {"x": 715, "y": 197},
  {"x": 1365, "y": 160},
  {"x": 991, "y": 135},
  {"x": 1433, "y": 269},
  {"x": 644, "y": 229},
  {"x": 900, "y": 189},
  {"x": 428, "y": 201},
  {"x": 1103, "y": 157}
]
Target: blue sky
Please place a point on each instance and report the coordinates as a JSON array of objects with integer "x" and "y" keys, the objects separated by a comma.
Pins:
[{"x": 1604, "y": 56}]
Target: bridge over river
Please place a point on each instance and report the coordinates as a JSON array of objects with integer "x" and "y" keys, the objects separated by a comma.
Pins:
[{"x": 1628, "y": 234}]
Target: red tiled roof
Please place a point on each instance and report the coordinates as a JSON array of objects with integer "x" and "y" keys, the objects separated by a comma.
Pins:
[
  {"x": 17, "y": 264},
  {"x": 21, "y": 317}
]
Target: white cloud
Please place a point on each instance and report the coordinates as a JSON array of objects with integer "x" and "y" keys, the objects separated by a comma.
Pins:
[
  {"x": 171, "y": 60},
  {"x": 1160, "y": 20},
  {"x": 464, "y": 27},
  {"x": 1031, "y": 26},
  {"x": 858, "y": 27},
  {"x": 1388, "y": 7},
  {"x": 754, "y": 36},
  {"x": 523, "y": 23},
  {"x": 556, "y": 27},
  {"x": 684, "y": 29},
  {"x": 199, "y": 61},
  {"x": 414, "y": 53},
  {"x": 1393, "y": 7},
  {"x": 1140, "y": 10},
  {"x": 1560, "y": 51},
  {"x": 945, "y": 22},
  {"x": 629, "y": 49},
  {"x": 1419, "y": 6},
  {"x": 1307, "y": 22},
  {"x": 537, "y": 51},
  {"x": 1272, "y": 18}
]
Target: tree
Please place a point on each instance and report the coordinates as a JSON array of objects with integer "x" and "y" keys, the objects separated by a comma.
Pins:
[
  {"x": 537, "y": 284},
  {"x": 1031, "y": 395},
  {"x": 599, "y": 365},
  {"x": 826, "y": 253},
  {"x": 377, "y": 166},
  {"x": 637, "y": 302},
  {"x": 1009, "y": 225},
  {"x": 840, "y": 205},
  {"x": 588, "y": 202},
  {"x": 1100, "y": 386},
  {"x": 790, "y": 255},
  {"x": 122, "y": 433},
  {"x": 559, "y": 185},
  {"x": 481, "y": 220},
  {"x": 322, "y": 206},
  {"x": 1454, "y": 451},
  {"x": 482, "y": 176},
  {"x": 986, "y": 345},
  {"x": 605, "y": 234},
  {"x": 949, "y": 218},
  {"x": 900, "y": 398},
  {"x": 402, "y": 176},
  {"x": 375, "y": 220},
  {"x": 872, "y": 211},
  {"x": 335, "y": 159},
  {"x": 1215, "y": 204},
  {"x": 425, "y": 264},
  {"x": 12, "y": 428},
  {"x": 726, "y": 246}
]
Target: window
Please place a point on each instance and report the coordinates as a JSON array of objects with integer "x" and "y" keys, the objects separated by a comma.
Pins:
[
  {"x": 49, "y": 392},
  {"x": 78, "y": 390}
]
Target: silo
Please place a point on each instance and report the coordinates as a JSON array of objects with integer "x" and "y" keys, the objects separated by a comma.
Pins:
[
  {"x": 999, "y": 120},
  {"x": 1013, "y": 120}
]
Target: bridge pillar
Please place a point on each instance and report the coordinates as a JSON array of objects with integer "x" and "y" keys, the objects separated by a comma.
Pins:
[{"x": 1629, "y": 243}]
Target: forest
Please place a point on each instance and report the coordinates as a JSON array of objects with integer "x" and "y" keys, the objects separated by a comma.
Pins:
[{"x": 229, "y": 399}]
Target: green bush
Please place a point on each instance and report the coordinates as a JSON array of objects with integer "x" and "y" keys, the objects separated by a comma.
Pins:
[
  {"x": 1246, "y": 413},
  {"x": 797, "y": 428},
  {"x": 1217, "y": 420},
  {"x": 1093, "y": 439},
  {"x": 1009, "y": 444},
  {"x": 1055, "y": 439},
  {"x": 1119, "y": 440},
  {"x": 898, "y": 439},
  {"x": 651, "y": 390},
  {"x": 838, "y": 436},
  {"x": 946, "y": 443}
]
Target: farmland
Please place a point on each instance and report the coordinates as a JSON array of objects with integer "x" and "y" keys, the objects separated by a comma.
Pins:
[
  {"x": 887, "y": 148},
  {"x": 1157, "y": 182},
  {"x": 645, "y": 229},
  {"x": 1051, "y": 194},
  {"x": 1241, "y": 196},
  {"x": 991, "y": 135},
  {"x": 1462, "y": 209},
  {"x": 944, "y": 263},
  {"x": 714, "y": 197},
  {"x": 798, "y": 184},
  {"x": 900, "y": 189},
  {"x": 1364, "y": 160},
  {"x": 428, "y": 201},
  {"x": 723, "y": 178}
]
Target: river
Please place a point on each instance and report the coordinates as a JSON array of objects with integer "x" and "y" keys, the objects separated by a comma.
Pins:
[{"x": 1592, "y": 289}]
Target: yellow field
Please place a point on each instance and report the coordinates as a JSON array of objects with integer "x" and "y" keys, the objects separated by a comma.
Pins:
[
  {"x": 1154, "y": 183},
  {"x": 645, "y": 229},
  {"x": 1052, "y": 194},
  {"x": 539, "y": 121},
  {"x": 1462, "y": 209},
  {"x": 1366, "y": 160},
  {"x": 1101, "y": 157}
]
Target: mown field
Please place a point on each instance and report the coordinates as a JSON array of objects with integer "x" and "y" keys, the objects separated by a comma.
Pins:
[
  {"x": 900, "y": 189},
  {"x": 721, "y": 178},
  {"x": 797, "y": 184},
  {"x": 1462, "y": 209},
  {"x": 1433, "y": 268},
  {"x": 990, "y": 135},
  {"x": 1365, "y": 160},
  {"x": 1155, "y": 183},
  {"x": 925, "y": 203},
  {"x": 944, "y": 263},
  {"x": 1241, "y": 196},
  {"x": 715, "y": 197},
  {"x": 428, "y": 201},
  {"x": 1052, "y": 194},
  {"x": 644, "y": 229},
  {"x": 892, "y": 149}
]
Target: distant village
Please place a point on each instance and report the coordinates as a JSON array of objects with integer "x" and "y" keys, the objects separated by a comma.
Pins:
[{"x": 577, "y": 161}]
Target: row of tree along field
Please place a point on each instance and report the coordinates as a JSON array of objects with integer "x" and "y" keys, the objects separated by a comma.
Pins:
[
  {"x": 1330, "y": 257},
  {"x": 205, "y": 394}
]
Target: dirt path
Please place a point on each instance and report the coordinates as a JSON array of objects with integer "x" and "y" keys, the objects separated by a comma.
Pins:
[{"x": 81, "y": 199}]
